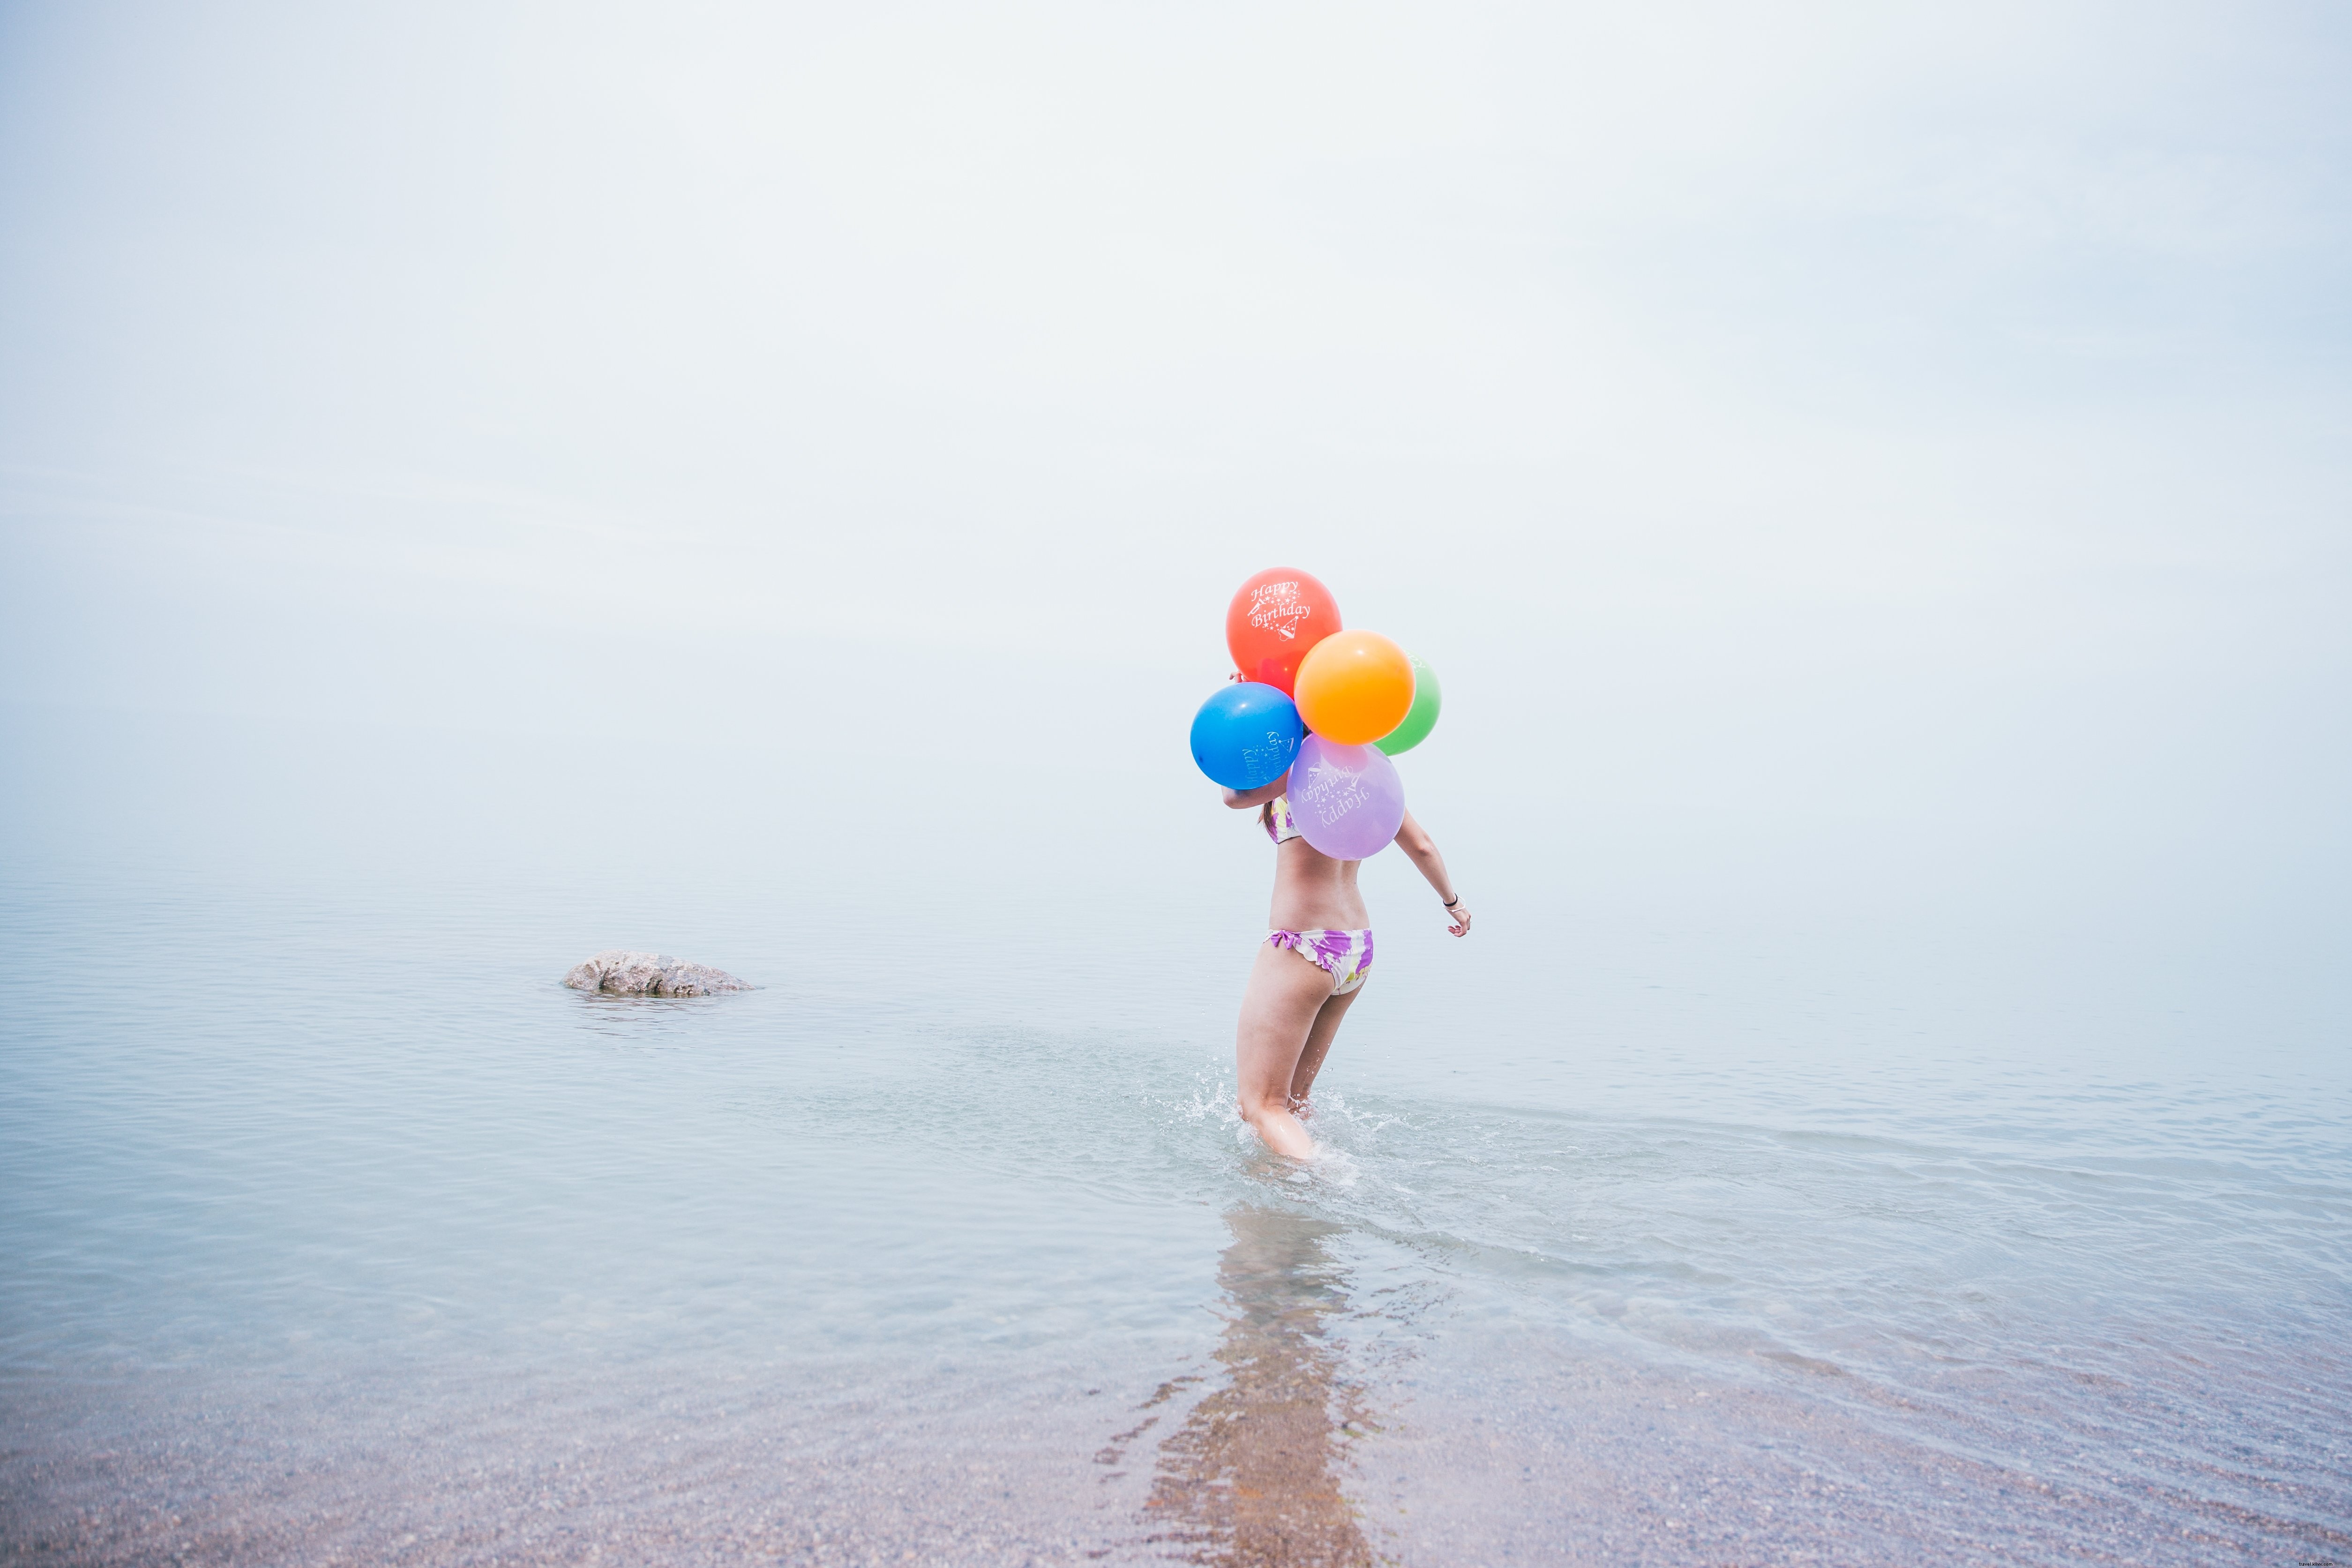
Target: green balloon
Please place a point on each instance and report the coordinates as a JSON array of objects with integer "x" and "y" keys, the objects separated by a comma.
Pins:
[{"x": 1420, "y": 718}]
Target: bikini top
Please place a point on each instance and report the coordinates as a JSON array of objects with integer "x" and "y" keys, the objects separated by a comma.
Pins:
[{"x": 1278, "y": 825}]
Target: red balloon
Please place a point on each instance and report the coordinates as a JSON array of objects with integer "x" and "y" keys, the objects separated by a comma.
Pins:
[{"x": 1278, "y": 615}]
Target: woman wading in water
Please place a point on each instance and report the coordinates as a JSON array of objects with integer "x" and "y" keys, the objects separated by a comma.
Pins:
[{"x": 1311, "y": 967}]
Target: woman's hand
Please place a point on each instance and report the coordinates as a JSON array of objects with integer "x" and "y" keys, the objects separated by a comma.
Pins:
[{"x": 1415, "y": 841}]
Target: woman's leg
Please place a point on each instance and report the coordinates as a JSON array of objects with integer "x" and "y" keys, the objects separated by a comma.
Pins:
[
  {"x": 1278, "y": 1011},
  {"x": 1319, "y": 1035}
]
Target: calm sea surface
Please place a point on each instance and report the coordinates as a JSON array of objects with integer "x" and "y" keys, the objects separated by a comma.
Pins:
[{"x": 335, "y": 1229}]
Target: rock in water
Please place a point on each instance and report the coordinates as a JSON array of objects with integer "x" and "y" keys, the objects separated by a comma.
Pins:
[{"x": 619, "y": 973}]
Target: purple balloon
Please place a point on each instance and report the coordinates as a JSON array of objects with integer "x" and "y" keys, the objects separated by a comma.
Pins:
[{"x": 1346, "y": 800}]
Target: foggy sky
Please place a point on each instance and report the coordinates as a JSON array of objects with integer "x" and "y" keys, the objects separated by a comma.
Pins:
[{"x": 1884, "y": 458}]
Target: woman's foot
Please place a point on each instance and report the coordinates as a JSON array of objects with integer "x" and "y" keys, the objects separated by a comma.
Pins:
[{"x": 1281, "y": 1132}]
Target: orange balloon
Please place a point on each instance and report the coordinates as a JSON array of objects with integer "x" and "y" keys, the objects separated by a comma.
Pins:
[
  {"x": 1354, "y": 688},
  {"x": 1273, "y": 620}
]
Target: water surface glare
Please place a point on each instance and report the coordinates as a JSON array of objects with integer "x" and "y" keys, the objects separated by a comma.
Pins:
[{"x": 336, "y": 1230}]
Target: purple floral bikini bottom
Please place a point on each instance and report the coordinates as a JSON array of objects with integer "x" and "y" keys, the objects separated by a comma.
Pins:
[{"x": 1345, "y": 955}]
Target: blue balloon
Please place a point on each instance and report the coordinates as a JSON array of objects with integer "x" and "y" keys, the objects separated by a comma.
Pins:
[{"x": 1245, "y": 735}]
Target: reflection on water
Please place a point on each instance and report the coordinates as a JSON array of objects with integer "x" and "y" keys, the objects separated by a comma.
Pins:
[{"x": 1252, "y": 1476}]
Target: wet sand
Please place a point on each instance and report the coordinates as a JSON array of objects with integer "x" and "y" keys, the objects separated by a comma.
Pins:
[
  {"x": 1283, "y": 1447},
  {"x": 1313, "y": 1434},
  {"x": 886, "y": 1473}
]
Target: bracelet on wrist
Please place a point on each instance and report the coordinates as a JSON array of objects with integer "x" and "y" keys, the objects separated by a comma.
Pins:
[{"x": 1453, "y": 900}]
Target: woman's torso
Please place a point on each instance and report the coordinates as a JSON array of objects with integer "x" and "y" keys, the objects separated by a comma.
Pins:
[{"x": 1311, "y": 890}]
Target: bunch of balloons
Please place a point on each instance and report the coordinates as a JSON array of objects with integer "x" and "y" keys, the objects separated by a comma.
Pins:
[{"x": 1329, "y": 707}]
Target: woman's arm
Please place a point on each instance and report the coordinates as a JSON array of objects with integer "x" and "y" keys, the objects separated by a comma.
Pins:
[
  {"x": 1415, "y": 841},
  {"x": 1241, "y": 799}
]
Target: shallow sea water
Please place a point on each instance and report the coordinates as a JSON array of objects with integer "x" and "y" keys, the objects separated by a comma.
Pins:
[{"x": 336, "y": 1230}]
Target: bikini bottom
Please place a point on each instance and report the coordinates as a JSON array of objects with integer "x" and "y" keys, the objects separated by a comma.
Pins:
[{"x": 1345, "y": 955}]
